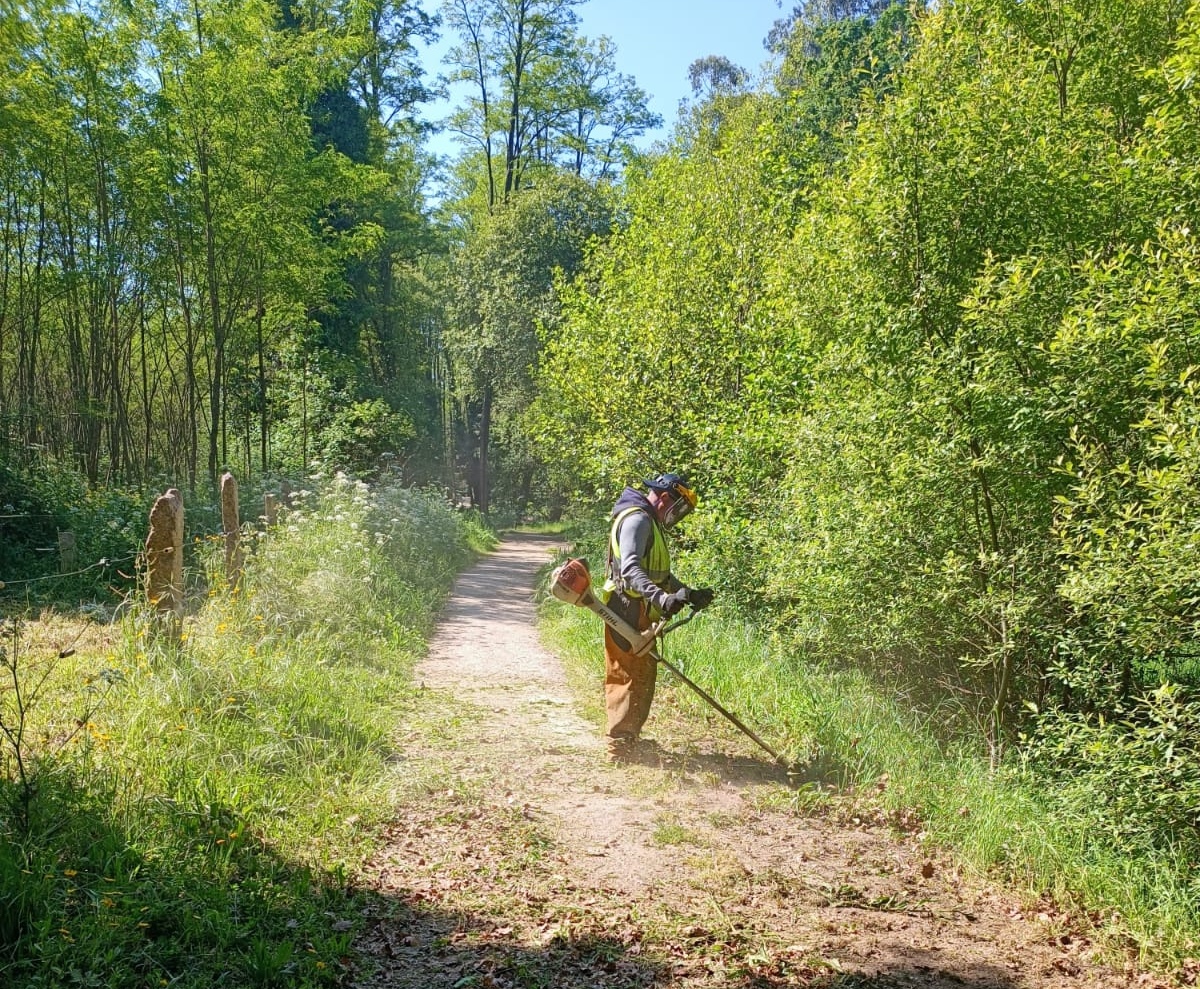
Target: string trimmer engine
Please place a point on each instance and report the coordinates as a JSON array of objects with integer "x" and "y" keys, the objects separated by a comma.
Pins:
[{"x": 572, "y": 582}]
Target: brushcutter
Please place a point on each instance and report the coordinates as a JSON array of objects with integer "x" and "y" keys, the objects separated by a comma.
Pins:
[{"x": 572, "y": 582}]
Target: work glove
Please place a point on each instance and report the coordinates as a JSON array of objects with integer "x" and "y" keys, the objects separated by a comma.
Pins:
[
  {"x": 700, "y": 597},
  {"x": 674, "y": 602}
]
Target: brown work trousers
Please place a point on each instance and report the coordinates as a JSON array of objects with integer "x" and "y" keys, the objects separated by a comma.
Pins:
[{"x": 628, "y": 679}]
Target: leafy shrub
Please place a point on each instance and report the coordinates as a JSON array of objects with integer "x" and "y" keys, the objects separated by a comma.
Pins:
[
  {"x": 52, "y": 497},
  {"x": 1145, "y": 763},
  {"x": 27, "y": 525}
]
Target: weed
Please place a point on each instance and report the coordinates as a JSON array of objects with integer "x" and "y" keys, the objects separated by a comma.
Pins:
[{"x": 672, "y": 833}]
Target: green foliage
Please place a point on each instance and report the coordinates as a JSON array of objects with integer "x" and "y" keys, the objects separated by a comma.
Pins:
[
  {"x": 47, "y": 497},
  {"x": 921, "y": 324},
  {"x": 1146, "y": 762},
  {"x": 198, "y": 232},
  {"x": 501, "y": 299},
  {"x": 661, "y": 358},
  {"x": 174, "y": 837}
]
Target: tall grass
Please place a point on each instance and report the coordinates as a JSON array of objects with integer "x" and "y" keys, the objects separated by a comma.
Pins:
[
  {"x": 199, "y": 829},
  {"x": 873, "y": 752}
]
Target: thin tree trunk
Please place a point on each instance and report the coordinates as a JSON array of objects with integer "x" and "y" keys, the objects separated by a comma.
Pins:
[{"x": 485, "y": 432}]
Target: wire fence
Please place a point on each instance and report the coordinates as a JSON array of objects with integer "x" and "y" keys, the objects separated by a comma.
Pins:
[{"x": 102, "y": 562}]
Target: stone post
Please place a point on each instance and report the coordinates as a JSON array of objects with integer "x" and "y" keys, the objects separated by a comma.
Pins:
[
  {"x": 164, "y": 560},
  {"x": 232, "y": 528},
  {"x": 270, "y": 508}
]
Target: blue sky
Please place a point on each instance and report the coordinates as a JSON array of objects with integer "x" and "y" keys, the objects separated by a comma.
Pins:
[{"x": 657, "y": 40}]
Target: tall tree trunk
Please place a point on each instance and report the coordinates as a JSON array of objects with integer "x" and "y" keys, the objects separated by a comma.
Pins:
[
  {"x": 217, "y": 382},
  {"x": 262, "y": 383},
  {"x": 485, "y": 436}
]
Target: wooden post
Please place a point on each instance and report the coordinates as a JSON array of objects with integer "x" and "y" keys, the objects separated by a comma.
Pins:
[
  {"x": 164, "y": 560},
  {"x": 68, "y": 558},
  {"x": 232, "y": 528}
]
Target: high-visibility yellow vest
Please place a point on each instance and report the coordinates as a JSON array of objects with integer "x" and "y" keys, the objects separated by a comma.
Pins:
[{"x": 656, "y": 561}]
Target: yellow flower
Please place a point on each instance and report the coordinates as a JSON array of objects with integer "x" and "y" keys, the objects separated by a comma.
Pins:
[{"x": 70, "y": 872}]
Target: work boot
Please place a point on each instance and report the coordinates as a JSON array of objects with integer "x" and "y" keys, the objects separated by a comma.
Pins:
[{"x": 621, "y": 748}]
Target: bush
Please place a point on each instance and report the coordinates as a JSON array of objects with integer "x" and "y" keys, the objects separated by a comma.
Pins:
[
  {"x": 49, "y": 498},
  {"x": 1146, "y": 763}
]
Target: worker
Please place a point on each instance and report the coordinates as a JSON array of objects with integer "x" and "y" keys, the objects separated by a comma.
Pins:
[{"x": 641, "y": 589}]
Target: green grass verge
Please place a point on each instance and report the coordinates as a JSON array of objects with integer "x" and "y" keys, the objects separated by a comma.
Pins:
[
  {"x": 193, "y": 814},
  {"x": 869, "y": 753}
]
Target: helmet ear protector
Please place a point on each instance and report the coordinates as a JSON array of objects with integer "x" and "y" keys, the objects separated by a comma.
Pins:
[{"x": 678, "y": 499}]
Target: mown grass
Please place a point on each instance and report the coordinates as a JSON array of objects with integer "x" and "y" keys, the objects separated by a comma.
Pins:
[
  {"x": 867, "y": 753},
  {"x": 194, "y": 812}
]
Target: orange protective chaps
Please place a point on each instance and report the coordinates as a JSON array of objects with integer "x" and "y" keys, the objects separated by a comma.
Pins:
[{"x": 628, "y": 679}]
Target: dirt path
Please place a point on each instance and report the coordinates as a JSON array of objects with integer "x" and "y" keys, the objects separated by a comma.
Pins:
[{"x": 520, "y": 857}]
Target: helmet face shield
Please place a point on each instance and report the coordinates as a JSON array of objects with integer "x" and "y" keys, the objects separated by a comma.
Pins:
[
  {"x": 675, "y": 498},
  {"x": 677, "y": 502}
]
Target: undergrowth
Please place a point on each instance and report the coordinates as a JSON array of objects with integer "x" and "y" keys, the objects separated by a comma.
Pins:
[{"x": 197, "y": 808}]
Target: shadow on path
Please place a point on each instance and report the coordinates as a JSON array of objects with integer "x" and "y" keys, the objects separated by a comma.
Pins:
[{"x": 418, "y": 946}]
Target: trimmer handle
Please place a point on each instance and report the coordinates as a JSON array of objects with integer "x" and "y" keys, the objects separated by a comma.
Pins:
[{"x": 666, "y": 625}]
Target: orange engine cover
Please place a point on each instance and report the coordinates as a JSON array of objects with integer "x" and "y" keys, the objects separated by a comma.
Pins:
[{"x": 572, "y": 582}]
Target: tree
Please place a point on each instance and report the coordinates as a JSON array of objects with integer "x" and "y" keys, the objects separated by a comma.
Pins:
[
  {"x": 501, "y": 296},
  {"x": 540, "y": 91},
  {"x": 716, "y": 75},
  {"x": 596, "y": 113}
]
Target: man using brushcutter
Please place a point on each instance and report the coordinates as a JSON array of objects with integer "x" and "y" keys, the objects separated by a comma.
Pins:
[{"x": 641, "y": 588}]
